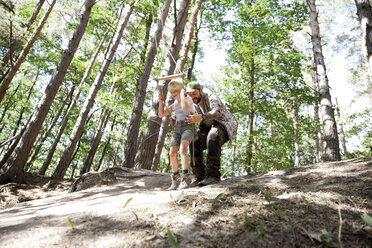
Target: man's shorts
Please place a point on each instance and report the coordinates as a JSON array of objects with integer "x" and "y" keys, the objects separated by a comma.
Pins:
[{"x": 181, "y": 131}]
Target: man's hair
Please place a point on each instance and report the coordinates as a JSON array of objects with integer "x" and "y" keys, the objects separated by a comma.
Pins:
[
  {"x": 175, "y": 84},
  {"x": 192, "y": 86}
]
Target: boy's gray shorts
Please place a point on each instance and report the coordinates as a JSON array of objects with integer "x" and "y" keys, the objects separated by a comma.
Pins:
[{"x": 181, "y": 131}]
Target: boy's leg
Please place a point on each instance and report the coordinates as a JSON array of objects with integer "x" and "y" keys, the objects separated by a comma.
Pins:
[
  {"x": 173, "y": 158},
  {"x": 184, "y": 154}
]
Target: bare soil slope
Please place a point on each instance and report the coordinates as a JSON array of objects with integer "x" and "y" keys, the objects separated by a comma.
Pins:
[{"x": 312, "y": 206}]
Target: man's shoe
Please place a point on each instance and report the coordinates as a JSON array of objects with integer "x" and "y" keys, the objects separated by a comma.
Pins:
[
  {"x": 209, "y": 180},
  {"x": 194, "y": 182},
  {"x": 176, "y": 179},
  {"x": 185, "y": 181}
]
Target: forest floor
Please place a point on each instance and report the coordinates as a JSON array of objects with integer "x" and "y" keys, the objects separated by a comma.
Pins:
[{"x": 312, "y": 206}]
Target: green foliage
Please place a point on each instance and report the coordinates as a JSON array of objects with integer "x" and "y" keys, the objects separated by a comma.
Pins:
[
  {"x": 367, "y": 219},
  {"x": 127, "y": 202},
  {"x": 172, "y": 238},
  {"x": 71, "y": 224},
  {"x": 217, "y": 199}
]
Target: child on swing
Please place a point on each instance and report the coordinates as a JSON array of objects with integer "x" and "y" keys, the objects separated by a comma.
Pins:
[{"x": 182, "y": 133}]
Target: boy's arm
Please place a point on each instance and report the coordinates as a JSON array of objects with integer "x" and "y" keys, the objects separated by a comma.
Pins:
[
  {"x": 161, "y": 112},
  {"x": 186, "y": 100}
]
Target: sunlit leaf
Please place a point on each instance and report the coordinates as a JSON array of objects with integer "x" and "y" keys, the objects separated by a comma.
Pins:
[
  {"x": 69, "y": 221},
  {"x": 367, "y": 219},
  {"x": 218, "y": 198},
  {"x": 172, "y": 239},
  {"x": 127, "y": 202},
  {"x": 187, "y": 208}
]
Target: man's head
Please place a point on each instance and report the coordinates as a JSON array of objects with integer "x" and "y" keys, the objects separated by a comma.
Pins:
[{"x": 194, "y": 90}]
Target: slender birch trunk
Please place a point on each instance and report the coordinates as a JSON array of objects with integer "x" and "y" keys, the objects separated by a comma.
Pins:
[
  {"x": 332, "y": 150},
  {"x": 135, "y": 120},
  {"x": 13, "y": 168},
  {"x": 79, "y": 125}
]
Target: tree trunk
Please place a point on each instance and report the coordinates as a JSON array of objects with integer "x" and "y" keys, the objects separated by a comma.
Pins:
[
  {"x": 97, "y": 136},
  {"x": 10, "y": 75},
  {"x": 146, "y": 152},
  {"x": 23, "y": 109},
  {"x": 318, "y": 131},
  {"x": 296, "y": 141},
  {"x": 364, "y": 12},
  {"x": 332, "y": 150},
  {"x": 105, "y": 147},
  {"x": 135, "y": 120},
  {"x": 15, "y": 43},
  {"x": 87, "y": 164},
  {"x": 13, "y": 168},
  {"x": 342, "y": 134},
  {"x": 79, "y": 125},
  {"x": 179, "y": 67},
  {"x": 47, "y": 132},
  {"x": 181, "y": 62},
  {"x": 251, "y": 112},
  {"x": 194, "y": 50},
  {"x": 63, "y": 125}
]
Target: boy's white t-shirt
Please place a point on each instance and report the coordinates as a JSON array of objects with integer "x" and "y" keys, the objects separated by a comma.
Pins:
[{"x": 181, "y": 114}]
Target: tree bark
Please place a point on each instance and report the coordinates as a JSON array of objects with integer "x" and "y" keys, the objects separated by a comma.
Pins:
[
  {"x": 63, "y": 125},
  {"x": 296, "y": 141},
  {"x": 195, "y": 50},
  {"x": 21, "y": 58},
  {"x": 332, "y": 150},
  {"x": 146, "y": 152},
  {"x": 132, "y": 137},
  {"x": 13, "y": 168},
  {"x": 87, "y": 164},
  {"x": 342, "y": 134},
  {"x": 23, "y": 109},
  {"x": 364, "y": 12},
  {"x": 98, "y": 167},
  {"x": 251, "y": 113},
  {"x": 79, "y": 125},
  {"x": 179, "y": 67},
  {"x": 318, "y": 131},
  {"x": 47, "y": 132}
]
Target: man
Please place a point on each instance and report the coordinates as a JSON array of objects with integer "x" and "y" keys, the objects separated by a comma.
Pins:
[{"x": 216, "y": 127}]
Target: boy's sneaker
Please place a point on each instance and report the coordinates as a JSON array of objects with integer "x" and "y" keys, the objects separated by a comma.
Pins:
[
  {"x": 176, "y": 179},
  {"x": 185, "y": 181}
]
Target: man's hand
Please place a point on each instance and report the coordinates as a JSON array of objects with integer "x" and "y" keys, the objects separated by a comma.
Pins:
[{"x": 193, "y": 118}]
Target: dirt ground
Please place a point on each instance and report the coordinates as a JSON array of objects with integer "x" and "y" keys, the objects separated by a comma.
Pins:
[{"x": 312, "y": 206}]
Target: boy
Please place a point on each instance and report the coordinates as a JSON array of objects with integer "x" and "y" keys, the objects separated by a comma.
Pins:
[{"x": 182, "y": 133}]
